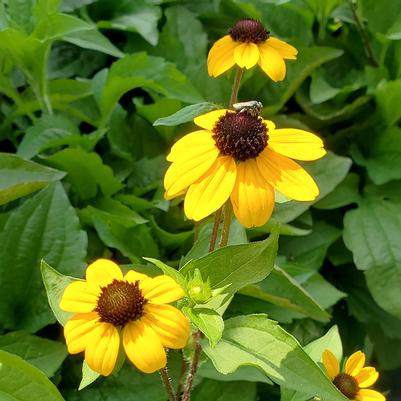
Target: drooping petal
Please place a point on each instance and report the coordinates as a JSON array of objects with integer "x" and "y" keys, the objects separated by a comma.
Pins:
[
  {"x": 169, "y": 324},
  {"x": 330, "y": 364},
  {"x": 80, "y": 297},
  {"x": 297, "y": 144},
  {"x": 209, "y": 119},
  {"x": 221, "y": 56},
  {"x": 191, "y": 144},
  {"x": 369, "y": 395},
  {"x": 132, "y": 276},
  {"x": 355, "y": 363},
  {"x": 184, "y": 172},
  {"x": 103, "y": 272},
  {"x": 367, "y": 377},
  {"x": 101, "y": 353},
  {"x": 271, "y": 62},
  {"x": 161, "y": 290},
  {"x": 143, "y": 347},
  {"x": 284, "y": 49},
  {"x": 212, "y": 190},
  {"x": 79, "y": 331},
  {"x": 252, "y": 197},
  {"x": 286, "y": 176},
  {"x": 246, "y": 55}
]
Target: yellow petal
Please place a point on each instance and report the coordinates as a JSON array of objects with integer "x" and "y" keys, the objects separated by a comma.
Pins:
[
  {"x": 212, "y": 190},
  {"x": 284, "y": 49},
  {"x": 79, "y": 331},
  {"x": 103, "y": 272},
  {"x": 185, "y": 171},
  {"x": 208, "y": 120},
  {"x": 330, "y": 364},
  {"x": 367, "y": 377},
  {"x": 252, "y": 197},
  {"x": 190, "y": 144},
  {"x": 169, "y": 324},
  {"x": 80, "y": 297},
  {"x": 221, "y": 56},
  {"x": 270, "y": 126},
  {"x": 101, "y": 353},
  {"x": 246, "y": 55},
  {"x": 355, "y": 363},
  {"x": 296, "y": 143},
  {"x": 132, "y": 276},
  {"x": 369, "y": 395},
  {"x": 286, "y": 176},
  {"x": 271, "y": 62},
  {"x": 161, "y": 290},
  {"x": 143, "y": 347}
]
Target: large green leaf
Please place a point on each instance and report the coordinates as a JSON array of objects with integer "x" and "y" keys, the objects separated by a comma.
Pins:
[
  {"x": 46, "y": 355},
  {"x": 236, "y": 266},
  {"x": 372, "y": 232},
  {"x": 221, "y": 391},
  {"x": 19, "y": 177},
  {"x": 44, "y": 227},
  {"x": 21, "y": 381},
  {"x": 257, "y": 341}
]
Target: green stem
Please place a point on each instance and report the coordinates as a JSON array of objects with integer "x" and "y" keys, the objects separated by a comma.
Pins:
[
  {"x": 167, "y": 384},
  {"x": 227, "y": 213},
  {"x": 182, "y": 374},
  {"x": 215, "y": 230},
  {"x": 193, "y": 367},
  {"x": 362, "y": 33},
  {"x": 235, "y": 87}
]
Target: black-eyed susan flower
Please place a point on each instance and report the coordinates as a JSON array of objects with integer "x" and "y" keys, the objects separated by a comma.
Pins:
[
  {"x": 248, "y": 44},
  {"x": 239, "y": 156},
  {"x": 355, "y": 379},
  {"x": 111, "y": 308}
]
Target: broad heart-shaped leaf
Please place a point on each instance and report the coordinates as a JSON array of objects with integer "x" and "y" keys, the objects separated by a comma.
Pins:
[
  {"x": 45, "y": 226},
  {"x": 150, "y": 73},
  {"x": 86, "y": 172},
  {"x": 328, "y": 172},
  {"x": 236, "y": 266},
  {"x": 257, "y": 341},
  {"x": 19, "y": 177},
  {"x": 186, "y": 114},
  {"x": 372, "y": 232},
  {"x": 21, "y": 381},
  {"x": 46, "y": 355}
]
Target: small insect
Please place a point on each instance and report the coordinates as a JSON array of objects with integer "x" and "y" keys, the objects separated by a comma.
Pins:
[{"x": 253, "y": 107}]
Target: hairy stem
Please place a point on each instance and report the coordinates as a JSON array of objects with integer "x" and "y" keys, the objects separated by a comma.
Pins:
[
  {"x": 213, "y": 238},
  {"x": 193, "y": 367},
  {"x": 227, "y": 213},
  {"x": 182, "y": 374},
  {"x": 167, "y": 384},
  {"x": 235, "y": 87}
]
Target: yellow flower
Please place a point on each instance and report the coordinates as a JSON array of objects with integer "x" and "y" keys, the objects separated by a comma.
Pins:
[
  {"x": 111, "y": 308},
  {"x": 353, "y": 382},
  {"x": 248, "y": 44},
  {"x": 240, "y": 156}
]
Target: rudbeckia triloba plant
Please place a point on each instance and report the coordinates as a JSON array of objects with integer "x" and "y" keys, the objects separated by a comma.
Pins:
[{"x": 354, "y": 381}]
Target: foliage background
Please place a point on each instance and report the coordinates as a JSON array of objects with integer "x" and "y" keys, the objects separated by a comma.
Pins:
[{"x": 81, "y": 84}]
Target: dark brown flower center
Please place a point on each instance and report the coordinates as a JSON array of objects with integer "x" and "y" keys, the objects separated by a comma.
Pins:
[
  {"x": 347, "y": 385},
  {"x": 120, "y": 302},
  {"x": 248, "y": 30},
  {"x": 240, "y": 135}
]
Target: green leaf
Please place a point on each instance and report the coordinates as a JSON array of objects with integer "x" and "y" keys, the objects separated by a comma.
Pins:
[
  {"x": 282, "y": 290},
  {"x": 208, "y": 321},
  {"x": 19, "y": 177},
  {"x": 388, "y": 95},
  {"x": 86, "y": 172},
  {"x": 257, "y": 341},
  {"x": 236, "y": 266},
  {"x": 220, "y": 391},
  {"x": 44, "y": 354},
  {"x": 44, "y": 227},
  {"x": 328, "y": 172},
  {"x": 372, "y": 233},
  {"x": 186, "y": 114},
  {"x": 21, "y": 381}
]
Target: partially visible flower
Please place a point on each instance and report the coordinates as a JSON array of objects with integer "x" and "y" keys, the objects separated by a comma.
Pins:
[
  {"x": 110, "y": 307},
  {"x": 355, "y": 379},
  {"x": 240, "y": 156},
  {"x": 248, "y": 44}
]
